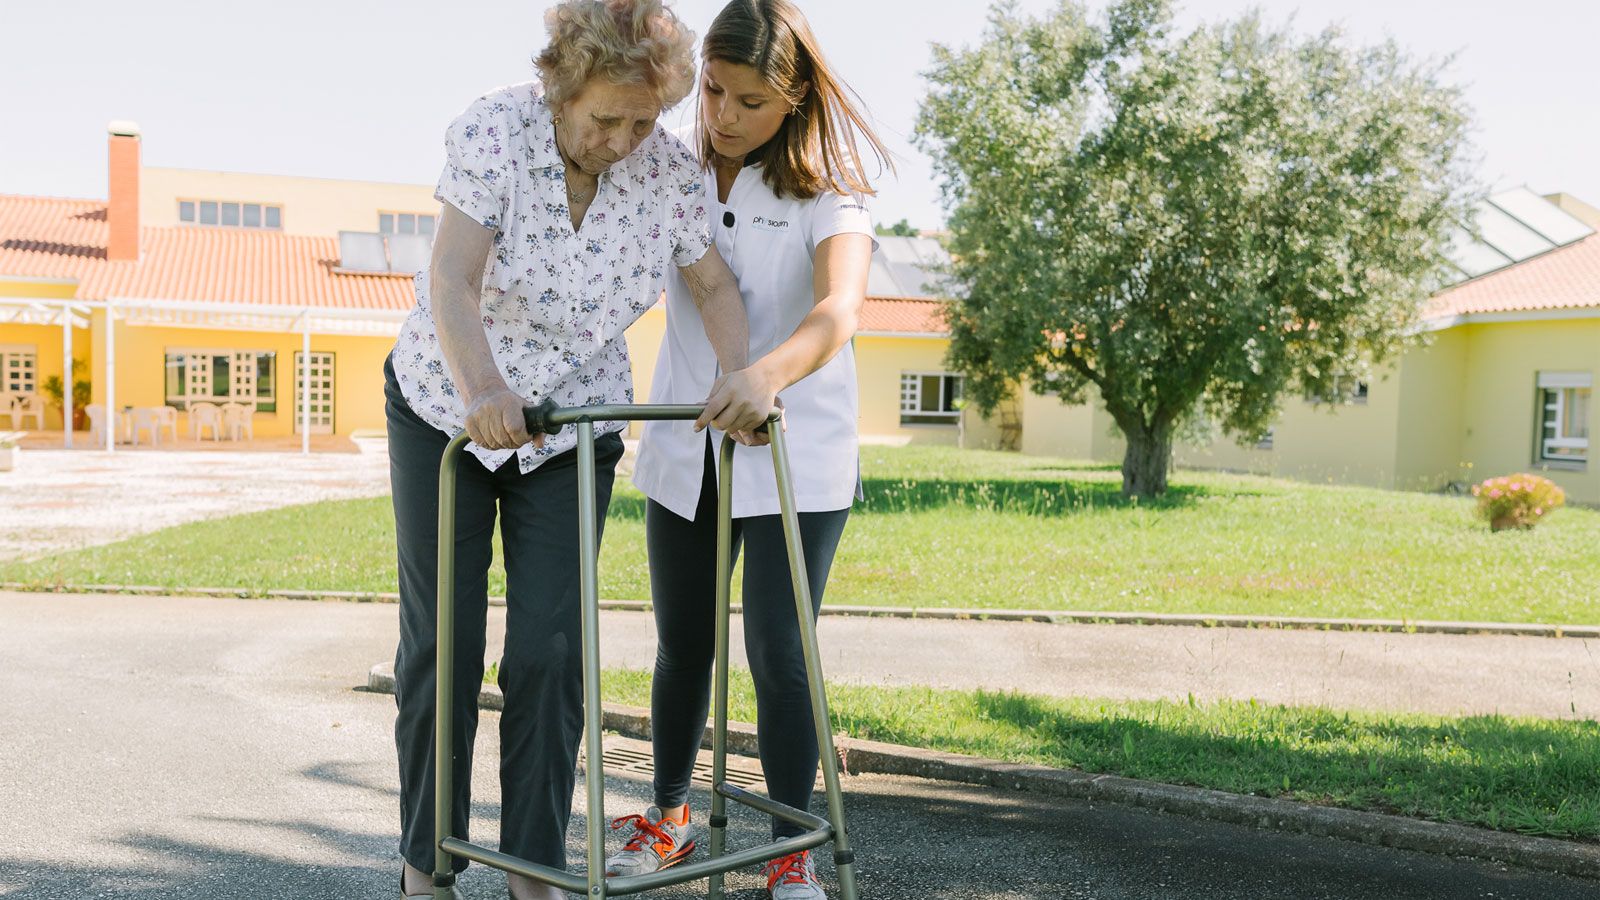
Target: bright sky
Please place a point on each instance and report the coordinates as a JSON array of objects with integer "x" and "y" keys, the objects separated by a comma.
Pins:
[{"x": 364, "y": 89}]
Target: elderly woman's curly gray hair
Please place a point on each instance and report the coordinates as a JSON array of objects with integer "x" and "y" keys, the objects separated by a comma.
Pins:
[{"x": 623, "y": 41}]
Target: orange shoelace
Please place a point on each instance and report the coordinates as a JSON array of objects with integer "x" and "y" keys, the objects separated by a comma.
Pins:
[
  {"x": 789, "y": 869},
  {"x": 645, "y": 831}
]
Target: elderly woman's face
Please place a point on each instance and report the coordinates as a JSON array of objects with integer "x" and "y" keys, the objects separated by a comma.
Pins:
[
  {"x": 605, "y": 122},
  {"x": 738, "y": 109}
]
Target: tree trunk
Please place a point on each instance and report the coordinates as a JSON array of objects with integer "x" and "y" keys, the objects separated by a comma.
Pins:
[{"x": 1145, "y": 464}]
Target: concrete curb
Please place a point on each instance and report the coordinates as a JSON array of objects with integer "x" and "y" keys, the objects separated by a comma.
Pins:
[
  {"x": 1056, "y": 617},
  {"x": 874, "y": 757}
]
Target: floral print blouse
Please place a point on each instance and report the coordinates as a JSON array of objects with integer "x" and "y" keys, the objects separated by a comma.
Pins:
[{"x": 555, "y": 301}]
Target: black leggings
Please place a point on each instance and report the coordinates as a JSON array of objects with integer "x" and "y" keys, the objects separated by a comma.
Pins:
[{"x": 683, "y": 588}]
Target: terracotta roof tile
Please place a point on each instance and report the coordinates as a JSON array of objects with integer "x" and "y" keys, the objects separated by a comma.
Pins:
[
  {"x": 49, "y": 237},
  {"x": 904, "y": 315},
  {"x": 1565, "y": 278}
]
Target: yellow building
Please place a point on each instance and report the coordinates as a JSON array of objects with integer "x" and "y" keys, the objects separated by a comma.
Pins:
[
  {"x": 240, "y": 310},
  {"x": 282, "y": 295}
]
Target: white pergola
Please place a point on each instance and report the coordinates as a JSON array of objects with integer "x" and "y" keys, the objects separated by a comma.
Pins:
[{"x": 221, "y": 316}]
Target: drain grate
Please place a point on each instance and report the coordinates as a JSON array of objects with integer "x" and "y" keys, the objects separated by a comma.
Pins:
[{"x": 742, "y": 773}]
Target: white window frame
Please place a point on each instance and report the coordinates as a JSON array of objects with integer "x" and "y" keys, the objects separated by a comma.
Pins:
[
  {"x": 911, "y": 399},
  {"x": 19, "y": 368},
  {"x": 1556, "y": 390},
  {"x": 243, "y": 366},
  {"x": 196, "y": 202},
  {"x": 1349, "y": 392},
  {"x": 416, "y": 222}
]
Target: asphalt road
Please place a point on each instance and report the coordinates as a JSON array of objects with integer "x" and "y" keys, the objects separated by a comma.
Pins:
[{"x": 222, "y": 749}]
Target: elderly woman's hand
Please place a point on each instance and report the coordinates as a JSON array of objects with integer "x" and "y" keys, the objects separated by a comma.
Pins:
[
  {"x": 495, "y": 421},
  {"x": 739, "y": 403}
]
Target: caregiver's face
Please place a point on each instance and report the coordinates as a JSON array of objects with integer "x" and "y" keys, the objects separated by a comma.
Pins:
[
  {"x": 737, "y": 108},
  {"x": 605, "y": 122}
]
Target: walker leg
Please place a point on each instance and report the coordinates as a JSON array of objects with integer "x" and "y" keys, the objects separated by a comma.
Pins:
[
  {"x": 843, "y": 856},
  {"x": 719, "y": 728},
  {"x": 444, "y": 877},
  {"x": 588, "y": 552}
]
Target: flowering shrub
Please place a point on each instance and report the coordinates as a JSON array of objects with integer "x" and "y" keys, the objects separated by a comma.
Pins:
[{"x": 1517, "y": 501}]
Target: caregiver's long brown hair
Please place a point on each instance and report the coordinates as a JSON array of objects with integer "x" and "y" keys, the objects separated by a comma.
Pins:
[{"x": 815, "y": 149}]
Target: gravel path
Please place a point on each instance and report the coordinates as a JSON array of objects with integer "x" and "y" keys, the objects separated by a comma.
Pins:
[{"x": 64, "y": 499}]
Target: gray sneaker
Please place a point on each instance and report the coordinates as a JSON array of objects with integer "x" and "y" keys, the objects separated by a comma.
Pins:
[
  {"x": 793, "y": 877},
  {"x": 657, "y": 843},
  {"x": 455, "y": 892}
]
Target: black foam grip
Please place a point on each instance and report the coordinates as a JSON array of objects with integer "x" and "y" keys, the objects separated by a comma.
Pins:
[
  {"x": 844, "y": 857},
  {"x": 719, "y": 821},
  {"x": 537, "y": 418}
]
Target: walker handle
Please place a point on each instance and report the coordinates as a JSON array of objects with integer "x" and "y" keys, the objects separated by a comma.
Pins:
[
  {"x": 546, "y": 417},
  {"x": 537, "y": 418}
]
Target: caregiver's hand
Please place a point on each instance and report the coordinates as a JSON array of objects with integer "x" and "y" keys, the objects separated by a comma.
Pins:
[
  {"x": 739, "y": 402},
  {"x": 761, "y": 438},
  {"x": 495, "y": 422}
]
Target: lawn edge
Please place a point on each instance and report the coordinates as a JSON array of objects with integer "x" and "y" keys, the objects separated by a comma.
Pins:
[
  {"x": 863, "y": 757},
  {"x": 1056, "y": 617}
]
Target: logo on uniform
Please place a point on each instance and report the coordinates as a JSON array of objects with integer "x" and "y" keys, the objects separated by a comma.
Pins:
[{"x": 762, "y": 223}]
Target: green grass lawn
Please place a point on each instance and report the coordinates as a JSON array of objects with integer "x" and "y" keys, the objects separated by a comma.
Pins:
[
  {"x": 942, "y": 527},
  {"x": 1525, "y": 775}
]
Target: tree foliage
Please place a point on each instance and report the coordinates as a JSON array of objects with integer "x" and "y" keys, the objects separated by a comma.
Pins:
[
  {"x": 901, "y": 228},
  {"x": 1186, "y": 225}
]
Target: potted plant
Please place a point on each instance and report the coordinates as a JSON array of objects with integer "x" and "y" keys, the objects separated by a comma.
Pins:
[
  {"x": 8, "y": 452},
  {"x": 1517, "y": 501},
  {"x": 82, "y": 392}
]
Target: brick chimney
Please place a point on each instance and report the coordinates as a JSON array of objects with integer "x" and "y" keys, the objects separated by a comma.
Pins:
[{"x": 122, "y": 214}]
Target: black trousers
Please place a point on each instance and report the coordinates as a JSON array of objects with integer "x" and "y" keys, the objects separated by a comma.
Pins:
[
  {"x": 542, "y": 670},
  {"x": 683, "y": 590}
]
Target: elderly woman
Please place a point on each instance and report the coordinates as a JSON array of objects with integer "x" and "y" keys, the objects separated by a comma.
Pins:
[{"x": 564, "y": 205}]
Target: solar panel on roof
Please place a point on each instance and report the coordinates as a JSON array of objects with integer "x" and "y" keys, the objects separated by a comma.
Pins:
[
  {"x": 1541, "y": 215},
  {"x": 907, "y": 267},
  {"x": 362, "y": 251},
  {"x": 880, "y": 283},
  {"x": 1509, "y": 227},
  {"x": 1473, "y": 256},
  {"x": 1504, "y": 233},
  {"x": 409, "y": 253}
]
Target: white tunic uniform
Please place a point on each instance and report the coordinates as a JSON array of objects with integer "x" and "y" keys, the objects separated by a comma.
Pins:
[{"x": 769, "y": 242}]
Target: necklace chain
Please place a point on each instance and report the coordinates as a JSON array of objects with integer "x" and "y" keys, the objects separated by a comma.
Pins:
[{"x": 575, "y": 197}]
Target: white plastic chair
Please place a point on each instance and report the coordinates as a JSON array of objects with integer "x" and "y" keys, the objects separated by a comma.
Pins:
[
  {"x": 203, "y": 416},
  {"x": 97, "y": 424},
  {"x": 27, "y": 405},
  {"x": 167, "y": 417},
  {"x": 146, "y": 418},
  {"x": 238, "y": 419}
]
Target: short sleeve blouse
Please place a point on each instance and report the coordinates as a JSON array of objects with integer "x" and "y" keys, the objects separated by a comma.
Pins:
[{"x": 556, "y": 301}]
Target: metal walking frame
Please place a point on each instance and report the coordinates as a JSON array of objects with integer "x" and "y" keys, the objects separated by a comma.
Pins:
[{"x": 550, "y": 419}]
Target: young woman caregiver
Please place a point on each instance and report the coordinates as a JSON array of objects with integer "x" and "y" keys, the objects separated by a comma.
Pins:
[{"x": 777, "y": 129}]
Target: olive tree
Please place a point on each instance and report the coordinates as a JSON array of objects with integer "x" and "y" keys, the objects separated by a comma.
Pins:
[{"x": 1189, "y": 225}]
